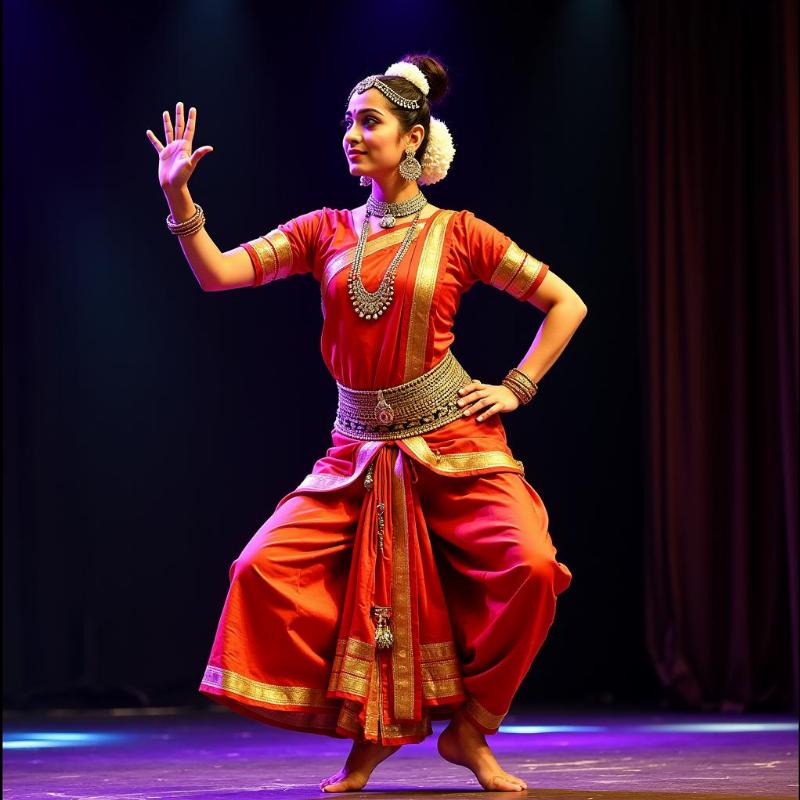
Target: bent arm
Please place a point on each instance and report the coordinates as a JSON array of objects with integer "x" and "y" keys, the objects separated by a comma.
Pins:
[
  {"x": 564, "y": 313},
  {"x": 214, "y": 270}
]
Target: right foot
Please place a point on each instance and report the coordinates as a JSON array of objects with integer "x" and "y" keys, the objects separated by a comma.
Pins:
[
  {"x": 461, "y": 743},
  {"x": 363, "y": 758}
]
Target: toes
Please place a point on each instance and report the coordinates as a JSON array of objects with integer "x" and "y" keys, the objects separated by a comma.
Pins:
[
  {"x": 506, "y": 784},
  {"x": 329, "y": 781},
  {"x": 342, "y": 785}
]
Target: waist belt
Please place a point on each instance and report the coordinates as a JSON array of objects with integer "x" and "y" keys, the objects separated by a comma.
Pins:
[{"x": 408, "y": 409}]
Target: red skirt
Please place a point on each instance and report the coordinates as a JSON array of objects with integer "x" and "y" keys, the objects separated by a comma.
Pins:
[{"x": 400, "y": 581}]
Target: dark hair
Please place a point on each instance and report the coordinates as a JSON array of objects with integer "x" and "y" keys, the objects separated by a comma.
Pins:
[{"x": 436, "y": 73}]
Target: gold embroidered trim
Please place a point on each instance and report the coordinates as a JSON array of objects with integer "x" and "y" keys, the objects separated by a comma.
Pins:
[
  {"x": 348, "y": 720},
  {"x": 373, "y": 720},
  {"x": 438, "y": 689},
  {"x": 352, "y": 666},
  {"x": 422, "y": 404},
  {"x": 461, "y": 462},
  {"x": 345, "y": 258},
  {"x": 525, "y": 277},
  {"x": 353, "y": 661},
  {"x": 441, "y": 670},
  {"x": 283, "y": 248},
  {"x": 436, "y": 651},
  {"x": 297, "y": 719},
  {"x": 403, "y": 652},
  {"x": 424, "y": 286},
  {"x": 274, "y": 251},
  {"x": 516, "y": 271},
  {"x": 484, "y": 717},
  {"x": 508, "y": 267},
  {"x": 266, "y": 255},
  {"x": 323, "y": 482},
  {"x": 264, "y": 692}
]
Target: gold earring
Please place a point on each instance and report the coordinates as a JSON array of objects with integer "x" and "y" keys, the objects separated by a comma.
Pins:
[{"x": 410, "y": 168}]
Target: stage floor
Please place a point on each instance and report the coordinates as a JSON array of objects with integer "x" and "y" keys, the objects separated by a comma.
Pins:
[{"x": 174, "y": 753}]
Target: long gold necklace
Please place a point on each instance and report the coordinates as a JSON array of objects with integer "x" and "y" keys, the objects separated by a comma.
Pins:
[{"x": 370, "y": 305}]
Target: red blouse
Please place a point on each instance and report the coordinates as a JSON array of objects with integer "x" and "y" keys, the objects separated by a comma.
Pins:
[
  {"x": 372, "y": 354},
  {"x": 450, "y": 251}
]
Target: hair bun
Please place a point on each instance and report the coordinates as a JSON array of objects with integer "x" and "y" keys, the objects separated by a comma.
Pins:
[{"x": 435, "y": 72}]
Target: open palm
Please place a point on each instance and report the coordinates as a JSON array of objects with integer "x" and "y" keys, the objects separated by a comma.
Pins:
[{"x": 176, "y": 162}]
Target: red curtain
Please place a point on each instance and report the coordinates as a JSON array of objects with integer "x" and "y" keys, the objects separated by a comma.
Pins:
[{"x": 715, "y": 116}]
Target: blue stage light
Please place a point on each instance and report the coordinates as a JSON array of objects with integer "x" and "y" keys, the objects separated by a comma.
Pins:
[{"x": 32, "y": 740}]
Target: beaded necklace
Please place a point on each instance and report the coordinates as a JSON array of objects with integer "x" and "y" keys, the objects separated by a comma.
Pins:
[{"x": 370, "y": 305}]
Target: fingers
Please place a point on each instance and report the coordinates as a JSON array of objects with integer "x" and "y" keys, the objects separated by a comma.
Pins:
[
  {"x": 199, "y": 153},
  {"x": 493, "y": 409},
  {"x": 168, "y": 134},
  {"x": 476, "y": 399},
  {"x": 190, "y": 124},
  {"x": 178, "y": 119},
  {"x": 181, "y": 130},
  {"x": 481, "y": 399},
  {"x": 471, "y": 385},
  {"x": 154, "y": 140}
]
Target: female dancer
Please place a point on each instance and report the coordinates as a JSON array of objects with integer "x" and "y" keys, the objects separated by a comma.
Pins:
[{"x": 411, "y": 575}]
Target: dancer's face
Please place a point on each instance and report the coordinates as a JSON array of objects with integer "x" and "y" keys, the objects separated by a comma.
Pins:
[{"x": 371, "y": 128}]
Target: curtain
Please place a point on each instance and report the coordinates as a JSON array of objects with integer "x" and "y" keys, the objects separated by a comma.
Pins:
[{"x": 715, "y": 126}]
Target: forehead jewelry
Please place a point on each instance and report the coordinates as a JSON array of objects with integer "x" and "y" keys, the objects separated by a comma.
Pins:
[
  {"x": 386, "y": 90},
  {"x": 440, "y": 150}
]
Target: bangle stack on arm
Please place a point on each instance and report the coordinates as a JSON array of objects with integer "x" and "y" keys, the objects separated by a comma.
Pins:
[
  {"x": 189, "y": 226},
  {"x": 521, "y": 385}
]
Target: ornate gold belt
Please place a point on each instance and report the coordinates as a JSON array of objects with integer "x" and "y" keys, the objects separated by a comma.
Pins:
[{"x": 408, "y": 409}]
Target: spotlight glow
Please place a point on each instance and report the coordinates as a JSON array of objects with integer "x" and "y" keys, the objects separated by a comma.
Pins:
[
  {"x": 669, "y": 727},
  {"x": 552, "y": 729},
  {"x": 34, "y": 740}
]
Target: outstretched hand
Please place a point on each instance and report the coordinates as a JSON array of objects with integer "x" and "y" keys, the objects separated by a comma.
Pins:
[
  {"x": 176, "y": 162},
  {"x": 477, "y": 395}
]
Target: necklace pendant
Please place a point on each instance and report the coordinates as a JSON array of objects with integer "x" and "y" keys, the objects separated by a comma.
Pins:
[{"x": 387, "y": 221}]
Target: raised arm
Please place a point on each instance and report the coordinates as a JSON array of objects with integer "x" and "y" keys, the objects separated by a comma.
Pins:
[{"x": 214, "y": 270}]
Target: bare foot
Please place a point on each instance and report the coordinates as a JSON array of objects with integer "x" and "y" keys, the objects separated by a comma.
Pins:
[
  {"x": 363, "y": 758},
  {"x": 462, "y": 743}
]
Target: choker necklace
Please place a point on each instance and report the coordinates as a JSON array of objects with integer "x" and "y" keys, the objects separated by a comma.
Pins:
[
  {"x": 390, "y": 211},
  {"x": 370, "y": 305}
]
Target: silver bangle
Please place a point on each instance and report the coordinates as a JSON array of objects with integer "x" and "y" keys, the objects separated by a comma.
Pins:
[{"x": 194, "y": 223}]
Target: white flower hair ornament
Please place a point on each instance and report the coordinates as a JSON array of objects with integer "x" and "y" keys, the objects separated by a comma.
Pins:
[
  {"x": 440, "y": 150},
  {"x": 438, "y": 154},
  {"x": 411, "y": 72}
]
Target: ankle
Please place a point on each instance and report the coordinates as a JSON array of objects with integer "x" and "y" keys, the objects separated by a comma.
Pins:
[{"x": 463, "y": 724}]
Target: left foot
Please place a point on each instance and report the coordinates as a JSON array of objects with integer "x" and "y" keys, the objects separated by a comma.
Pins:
[
  {"x": 363, "y": 758},
  {"x": 463, "y": 744}
]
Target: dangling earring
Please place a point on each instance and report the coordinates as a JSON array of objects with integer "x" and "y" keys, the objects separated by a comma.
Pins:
[
  {"x": 365, "y": 180},
  {"x": 410, "y": 168}
]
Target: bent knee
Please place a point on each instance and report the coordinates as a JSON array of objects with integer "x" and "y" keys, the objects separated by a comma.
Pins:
[
  {"x": 540, "y": 569},
  {"x": 263, "y": 559}
]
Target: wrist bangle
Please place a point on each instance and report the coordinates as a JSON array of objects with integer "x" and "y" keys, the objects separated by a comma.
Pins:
[
  {"x": 194, "y": 223},
  {"x": 521, "y": 385}
]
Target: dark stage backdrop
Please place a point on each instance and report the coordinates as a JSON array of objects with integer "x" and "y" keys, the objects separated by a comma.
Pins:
[
  {"x": 151, "y": 428},
  {"x": 717, "y": 214}
]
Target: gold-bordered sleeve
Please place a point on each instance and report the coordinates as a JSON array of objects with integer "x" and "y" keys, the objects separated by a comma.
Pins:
[
  {"x": 274, "y": 253},
  {"x": 490, "y": 256},
  {"x": 290, "y": 249},
  {"x": 518, "y": 273}
]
